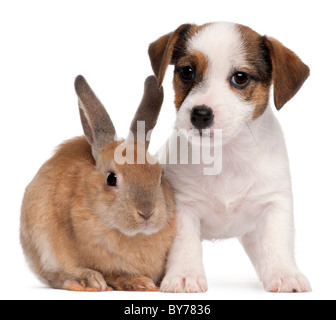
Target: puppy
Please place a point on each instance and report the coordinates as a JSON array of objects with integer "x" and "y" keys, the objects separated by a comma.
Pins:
[{"x": 223, "y": 77}]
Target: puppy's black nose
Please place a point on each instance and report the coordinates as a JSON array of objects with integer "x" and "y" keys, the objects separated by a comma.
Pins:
[{"x": 201, "y": 117}]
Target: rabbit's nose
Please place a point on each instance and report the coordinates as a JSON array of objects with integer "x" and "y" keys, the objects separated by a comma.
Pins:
[
  {"x": 145, "y": 216},
  {"x": 145, "y": 210}
]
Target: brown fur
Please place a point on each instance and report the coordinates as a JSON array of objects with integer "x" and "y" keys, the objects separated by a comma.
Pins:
[
  {"x": 272, "y": 60},
  {"x": 257, "y": 56},
  {"x": 289, "y": 72},
  {"x": 149, "y": 113},
  {"x": 269, "y": 62},
  {"x": 169, "y": 48},
  {"x": 78, "y": 238},
  {"x": 80, "y": 234},
  {"x": 200, "y": 63}
]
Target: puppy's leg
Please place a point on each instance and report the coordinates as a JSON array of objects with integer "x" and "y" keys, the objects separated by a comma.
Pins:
[
  {"x": 270, "y": 247},
  {"x": 185, "y": 271}
]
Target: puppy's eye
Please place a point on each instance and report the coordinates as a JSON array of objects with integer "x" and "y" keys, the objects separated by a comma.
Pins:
[
  {"x": 111, "y": 179},
  {"x": 240, "y": 80},
  {"x": 187, "y": 73}
]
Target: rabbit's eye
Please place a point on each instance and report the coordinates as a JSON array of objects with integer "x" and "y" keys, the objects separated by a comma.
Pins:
[{"x": 112, "y": 179}]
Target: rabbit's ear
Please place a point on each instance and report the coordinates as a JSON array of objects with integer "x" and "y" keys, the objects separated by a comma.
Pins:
[
  {"x": 148, "y": 110},
  {"x": 97, "y": 125}
]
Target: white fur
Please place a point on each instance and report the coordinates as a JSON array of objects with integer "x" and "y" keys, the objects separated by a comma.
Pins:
[
  {"x": 47, "y": 258},
  {"x": 251, "y": 198},
  {"x": 215, "y": 91}
]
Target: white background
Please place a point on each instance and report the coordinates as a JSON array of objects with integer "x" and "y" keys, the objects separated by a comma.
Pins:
[{"x": 45, "y": 44}]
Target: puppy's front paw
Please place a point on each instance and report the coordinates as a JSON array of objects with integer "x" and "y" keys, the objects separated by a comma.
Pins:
[
  {"x": 191, "y": 283},
  {"x": 287, "y": 282}
]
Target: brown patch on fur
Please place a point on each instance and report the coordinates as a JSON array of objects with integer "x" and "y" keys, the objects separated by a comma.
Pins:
[
  {"x": 256, "y": 93},
  {"x": 269, "y": 59},
  {"x": 166, "y": 49},
  {"x": 169, "y": 48},
  {"x": 199, "y": 62},
  {"x": 289, "y": 72},
  {"x": 259, "y": 68},
  {"x": 260, "y": 99}
]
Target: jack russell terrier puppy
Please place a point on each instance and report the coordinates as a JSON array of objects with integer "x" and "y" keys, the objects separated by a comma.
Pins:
[{"x": 222, "y": 81}]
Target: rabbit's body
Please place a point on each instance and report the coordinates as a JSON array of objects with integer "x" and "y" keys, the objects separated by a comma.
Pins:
[{"x": 80, "y": 233}]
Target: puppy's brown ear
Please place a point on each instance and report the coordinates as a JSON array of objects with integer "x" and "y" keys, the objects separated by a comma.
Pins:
[
  {"x": 166, "y": 50},
  {"x": 289, "y": 72}
]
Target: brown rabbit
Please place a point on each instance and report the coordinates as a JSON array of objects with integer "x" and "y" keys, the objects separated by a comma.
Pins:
[{"x": 91, "y": 224}]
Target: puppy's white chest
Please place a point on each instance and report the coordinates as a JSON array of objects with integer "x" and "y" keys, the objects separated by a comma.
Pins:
[{"x": 227, "y": 212}]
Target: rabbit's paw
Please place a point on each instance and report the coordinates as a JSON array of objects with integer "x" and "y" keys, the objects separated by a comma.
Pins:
[
  {"x": 132, "y": 283},
  {"x": 85, "y": 280}
]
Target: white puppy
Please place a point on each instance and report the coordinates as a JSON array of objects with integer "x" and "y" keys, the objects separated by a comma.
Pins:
[{"x": 222, "y": 80}]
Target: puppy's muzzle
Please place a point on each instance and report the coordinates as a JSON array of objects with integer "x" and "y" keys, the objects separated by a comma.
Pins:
[{"x": 201, "y": 117}]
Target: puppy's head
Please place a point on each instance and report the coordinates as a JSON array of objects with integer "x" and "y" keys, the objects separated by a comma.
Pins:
[{"x": 223, "y": 74}]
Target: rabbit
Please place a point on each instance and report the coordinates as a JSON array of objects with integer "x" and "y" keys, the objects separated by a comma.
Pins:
[{"x": 89, "y": 223}]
